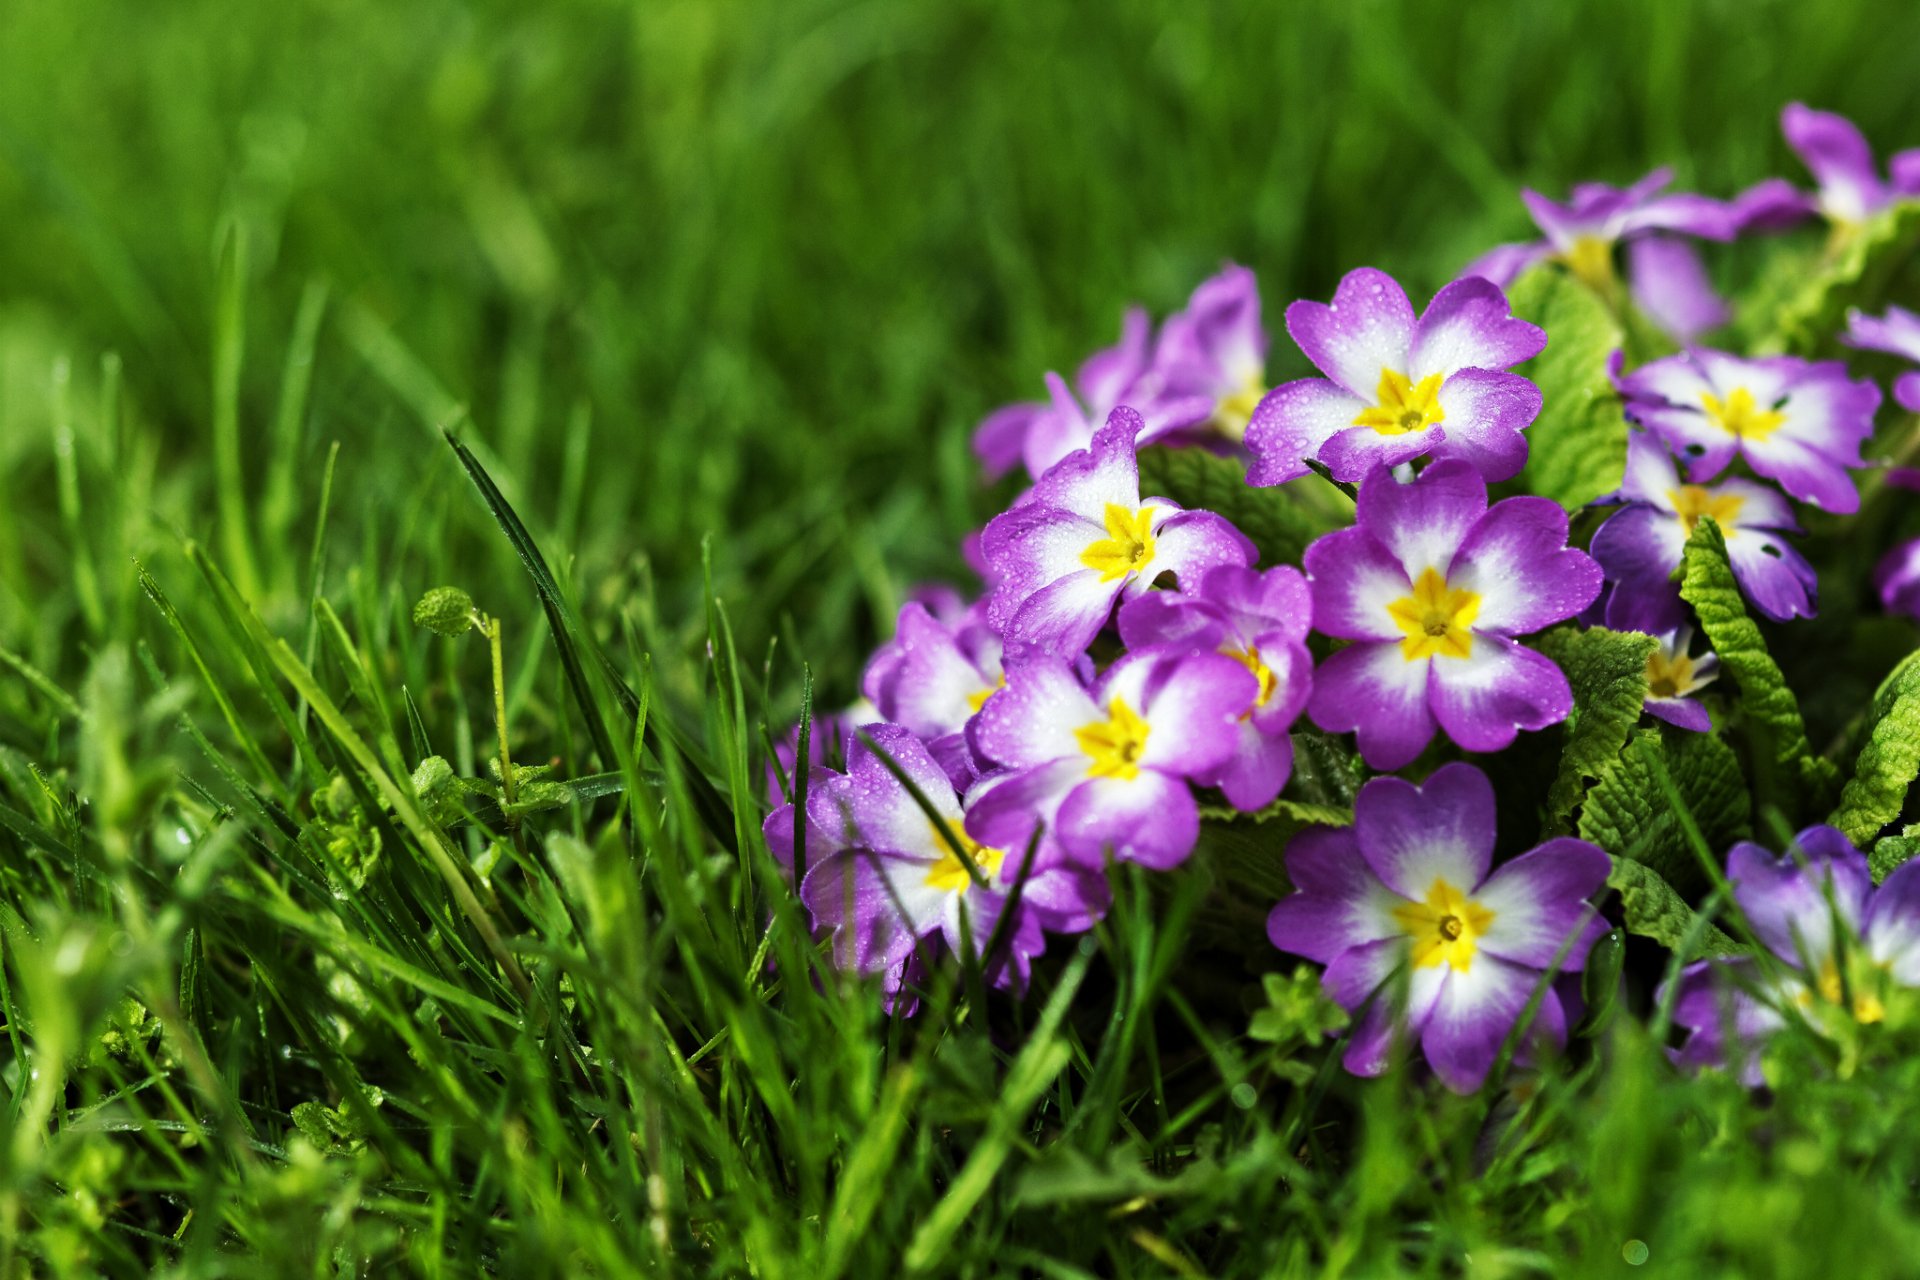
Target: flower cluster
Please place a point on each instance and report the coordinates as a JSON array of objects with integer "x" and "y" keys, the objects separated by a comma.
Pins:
[{"x": 1134, "y": 671}]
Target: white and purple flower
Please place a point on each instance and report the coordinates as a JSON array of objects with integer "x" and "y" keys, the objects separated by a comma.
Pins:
[
  {"x": 1850, "y": 191},
  {"x": 1431, "y": 585},
  {"x": 1086, "y": 538},
  {"x": 1214, "y": 349},
  {"x": 1798, "y": 423},
  {"x": 1664, "y": 272},
  {"x": 932, "y": 677},
  {"x": 1107, "y": 768},
  {"x": 1816, "y": 970},
  {"x": 883, "y": 877},
  {"x": 1897, "y": 333},
  {"x": 1404, "y": 897},
  {"x": 1642, "y": 544},
  {"x": 1260, "y": 620},
  {"x": 1399, "y": 387},
  {"x": 1674, "y": 675}
]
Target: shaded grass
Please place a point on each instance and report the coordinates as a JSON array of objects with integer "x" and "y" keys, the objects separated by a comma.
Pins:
[{"x": 748, "y": 271}]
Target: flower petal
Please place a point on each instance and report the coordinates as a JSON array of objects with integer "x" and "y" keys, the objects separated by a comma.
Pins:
[
  {"x": 1150, "y": 819},
  {"x": 1441, "y": 830},
  {"x": 1368, "y": 328},
  {"x": 1484, "y": 699},
  {"x": 1517, "y": 560},
  {"x": 1370, "y": 690},
  {"x": 1539, "y": 901},
  {"x": 1469, "y": 325},
  {"x": 1292, "y": 422}
]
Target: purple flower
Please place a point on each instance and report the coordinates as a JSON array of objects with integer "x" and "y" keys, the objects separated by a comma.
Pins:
[
  {"x": 1897, "y": 332},
  {"x": 1431, "y": 585},
  {"x": 1215, "y": 349},
  {"x": 1851, "y": 189},
  {"x": 1665, "y": 273},
  {"x": 884, "y": 877},
  {"x": 1796, "y": 422},
  {"x": 932, "y": 677},
  {"x": 1087, "y": 539},
  {"x": 1673, "y": 674},
  {"x": 1793, "y": 904},
  {"x": 1261, "y": 621},
  {"x": 1108, "y": 767},
  {"x": 1642, "y": 544},
  {"x": 1397, "y": 387},
  {"x": 1897, "y": 579},
  {"x": 827, "y": 740},
  {"x": 1404, "y": 895}
]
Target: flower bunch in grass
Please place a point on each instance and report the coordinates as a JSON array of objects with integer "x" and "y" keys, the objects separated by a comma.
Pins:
[{"x": 1441, "y": 629}]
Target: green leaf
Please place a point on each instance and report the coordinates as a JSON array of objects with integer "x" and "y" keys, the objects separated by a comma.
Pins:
[
  {"x": 1652, "y": 909},
  {"x": 1281, "y": 521},
  {"x": 1855, "y": 271},
  {"x": 1244, "y": 853},
  {"x": 1608, "y": 673},
  {"x": 1890, "y": 760},
  {"x": 1892, "y": 852},
  {"x": 1627, "y": 813},
  {"x": 1577, "y": 448},
  {"x": 445, "y": 611},
  {"x": 1786, "y": 772}
]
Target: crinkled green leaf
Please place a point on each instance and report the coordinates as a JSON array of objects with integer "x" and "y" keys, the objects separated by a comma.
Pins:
[
  {"x": 1891, "y": 852},
  {"x": 1889, "y": 762},
  {"x": 1628, "y": 815},
  {"x": 1577, "y": 448},
  {"x": 1245, "y": 854},
  {"x": 1608, "y": 673},
  {"x": 1786, "y": 772},
  {"x": 1280, "y": 521},
  {"x": 1652, "y": 909},
  {"x": 1855, "y": 271}
]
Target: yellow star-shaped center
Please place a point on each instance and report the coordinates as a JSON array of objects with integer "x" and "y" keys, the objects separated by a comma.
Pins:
[
  {"x": 1691, "y": 501},
  {"x": 1401, "y": 407},
  {"x": 1740, "y": 415},
  {"x": 949, "y": 874},
  {"x": 1114, "y": 745},
  {"x": 1436, "y": 618},
  {"x": 1445, "y": 928},
  {"x": 1128, "y": 546}
]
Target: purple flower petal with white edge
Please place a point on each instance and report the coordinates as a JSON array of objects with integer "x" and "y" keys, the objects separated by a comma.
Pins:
[
  {"x": 1215, "y": 350},
  {"x": 1411, "y": 928},
  {"x": 1370, "y": 691},
  {"x": 1897, "y": 580},
  {"x": 1892, "y": 927},
  {"x": 1398, "y": 387},
  {"x": 1517, "y": 560},
  {"x": 1724, "y": 1020},
  {"x": 1791, "y": 902},
  {"x": 1834, "y": 149},
  {"x": 933, "y": 676},
  {"x": 1150, "y": 819},
  {"x": 1502, "y": 687}
]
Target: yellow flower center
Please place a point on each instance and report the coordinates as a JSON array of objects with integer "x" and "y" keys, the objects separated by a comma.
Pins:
[
  {"x": 1114, "y": 745},
  {"x": 1591, "y": 259},
  {"x": 1127, "y": 547},
  {"x": 1232, "y": 413},
  {"x": 1250, "y": 658},
  {"x": 1691, "y": 501},
  {"x": 1402, "y": 407},
  {"x": 1866, "y": 1005},
  {"x": 1740, "y": 415},
  {"x": 949, "y": 875},
  {"x": 979, "y": 698},
  {"x": 1436, "y": 618},
  {"x": 1668, "y": 677},
  {"x": 1445, "y": 928}
]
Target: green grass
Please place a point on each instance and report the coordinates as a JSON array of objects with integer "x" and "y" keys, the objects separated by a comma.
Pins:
[{"x": 714, "y": 293}]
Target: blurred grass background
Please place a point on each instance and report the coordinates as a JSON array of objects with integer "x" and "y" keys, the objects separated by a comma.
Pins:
[{"x": 754, "y": 269}]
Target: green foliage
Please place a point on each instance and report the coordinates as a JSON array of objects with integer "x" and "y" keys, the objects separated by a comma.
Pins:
[
  {"x": 1280, "y": 521},
  {"x": 1577, "y": 448},
  {"x": 1786, "y": 772},
  {"x": 1652, "y": 909},
  {"x": 1889, "y": 762},
  {"x": 1855, "y": 269},
  {"x": 1669, "y": 799},
  {"x": 1608, "y": 673},
  {"x": 1891, "y": 852},
  {"x": 445, "y": 611}
]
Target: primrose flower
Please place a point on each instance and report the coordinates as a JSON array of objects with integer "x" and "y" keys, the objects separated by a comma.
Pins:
[
  {"x": 1431, "y": 585},
  {"x": 932, "y": 677},
  {"x": 827, "y": 740},
  {"x": 1673, "y": 674},
  {"x": 1397, "y": 387},
  {"x": 1897, "y": 332},
  {"x": 1798, "y": 423},
  {"x": 1214, "y": 349},
  {"x": 1851, "y": 190},
  {"x": 1086, "y": 539},
  {"x": 1260, "y": 620},
  {"x": 1824, "y": 972},
  {"x": 1107, "y": 768},
  {"x": 1897, "y": 579},
  {"x": 1665, "y": 273},
  {"x": 1642, "y": 544},
  {"x": 886, "y": 877},
  {"x": 1403, "y": 899}
]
